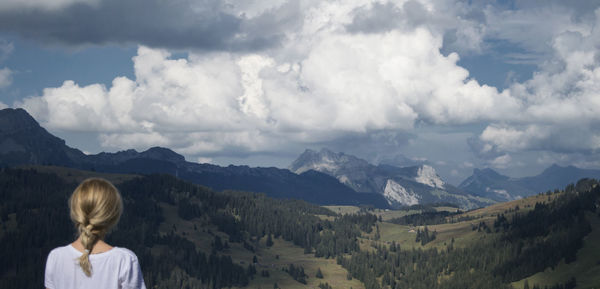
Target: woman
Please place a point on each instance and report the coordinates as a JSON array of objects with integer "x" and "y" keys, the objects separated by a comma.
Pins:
[{"x": 89, "y": 262}]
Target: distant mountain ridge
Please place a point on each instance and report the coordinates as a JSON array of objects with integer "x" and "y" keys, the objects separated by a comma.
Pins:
[
  {"x": 490, "y": 184},
  {"x": 323, "y": 177},
  {"x": 400, "y": 186},
  {"x": 23, "y": 141}
]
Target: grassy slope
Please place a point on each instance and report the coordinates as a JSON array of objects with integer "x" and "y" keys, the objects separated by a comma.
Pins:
[
  {"x": 333, "y": 274},
  {"x": 501, "y": 208},
  {"x": 586, "y": 269},
  {"x": 386, "y": 215},
  {"x": 272, "y": 259},
  {"x": 405, "y": 235}
]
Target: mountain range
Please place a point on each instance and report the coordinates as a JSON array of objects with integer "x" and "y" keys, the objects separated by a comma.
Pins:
[
  {"x": 400, "y": 186},
  {"x": 490, "y": 184},
  {"x": 322, "y": 177}
]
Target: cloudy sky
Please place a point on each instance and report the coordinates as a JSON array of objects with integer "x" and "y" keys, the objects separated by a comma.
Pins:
[{"x": 511, "y": 85}]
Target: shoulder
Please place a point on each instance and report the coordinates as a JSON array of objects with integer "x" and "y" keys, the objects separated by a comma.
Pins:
[
  {"x": 125, "y": 253},
  {"x": 59, "y": 251},
  {"x": 59, "y": 257},
  {"x": 130, "y": 274}
]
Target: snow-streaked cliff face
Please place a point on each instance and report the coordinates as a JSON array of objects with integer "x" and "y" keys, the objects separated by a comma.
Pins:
[
  {"x": 325, "y": 165},
  {"x": 395, "y": 193},
  {"x": 428, "y": 176}
]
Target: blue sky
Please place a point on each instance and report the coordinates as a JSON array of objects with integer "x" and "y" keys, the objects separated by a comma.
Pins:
[{"x": 512, "y": 85}]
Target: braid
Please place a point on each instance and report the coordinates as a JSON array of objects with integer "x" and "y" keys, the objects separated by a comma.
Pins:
[{"x": 89, "y": 237}]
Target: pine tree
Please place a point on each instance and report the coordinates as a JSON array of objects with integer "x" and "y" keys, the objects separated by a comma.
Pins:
[{"x": 319, "y": 273}]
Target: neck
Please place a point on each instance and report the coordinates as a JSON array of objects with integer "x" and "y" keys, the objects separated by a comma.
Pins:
[{"x": 99, "y": 247}]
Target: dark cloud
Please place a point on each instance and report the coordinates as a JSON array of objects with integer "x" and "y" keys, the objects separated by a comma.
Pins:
[{"x": 156, "y": 23}]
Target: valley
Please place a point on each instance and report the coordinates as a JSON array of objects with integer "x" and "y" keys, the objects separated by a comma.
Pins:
[{"x": 164, "y": 224}]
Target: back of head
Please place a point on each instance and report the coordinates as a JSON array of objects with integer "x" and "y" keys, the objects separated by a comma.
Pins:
[{"x": 96, "y": 206}]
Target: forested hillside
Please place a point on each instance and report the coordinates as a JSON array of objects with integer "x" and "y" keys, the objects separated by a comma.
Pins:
[
  {"x": 505, "y": 249},
  {"x": 188, "y": 236},
  {"x": 35, "y": 220}
]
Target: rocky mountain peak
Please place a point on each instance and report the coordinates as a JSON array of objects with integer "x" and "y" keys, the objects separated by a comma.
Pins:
[
  {"x": 488, "y": 174},
  {"x": 325, "y": 161},
  {"x": 428, "y": 176},
  {"x": 555, "y": 168},
  {"x": 161, "y": 153}
]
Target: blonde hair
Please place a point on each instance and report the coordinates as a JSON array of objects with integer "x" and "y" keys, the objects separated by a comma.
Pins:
[{"x": 96, "y": 206}]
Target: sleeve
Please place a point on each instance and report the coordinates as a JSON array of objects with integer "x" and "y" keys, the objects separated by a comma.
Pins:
[
  {"x": 49, "y": 274},
  {"x": 133, "y": 278}
]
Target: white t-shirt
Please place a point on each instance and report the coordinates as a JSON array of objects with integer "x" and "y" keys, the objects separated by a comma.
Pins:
[{"x": 116, "y": 268}]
